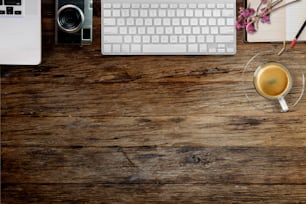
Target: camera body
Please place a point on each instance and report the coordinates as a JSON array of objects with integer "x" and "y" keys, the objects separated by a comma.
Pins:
[{"x": 73, "y": 22}]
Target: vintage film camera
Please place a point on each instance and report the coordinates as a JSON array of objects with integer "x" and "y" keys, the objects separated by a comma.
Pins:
[{"x": 73, "y": 22}]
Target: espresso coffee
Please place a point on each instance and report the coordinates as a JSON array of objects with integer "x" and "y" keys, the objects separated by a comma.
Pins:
[{"x": 272, "y": 80}]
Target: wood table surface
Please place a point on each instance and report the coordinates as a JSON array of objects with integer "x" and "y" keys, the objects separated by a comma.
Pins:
[{"x": 87, "y": 128}]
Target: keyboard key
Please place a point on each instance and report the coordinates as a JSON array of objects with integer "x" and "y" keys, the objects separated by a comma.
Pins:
[
  {"x": 182, "y": 5},
  {"x": 125, "y": 13},
  {"x": 227, "y": 30},
  {"x": 220, "y": 6},
  {"x": 158, "y": 48},
  {"x": 12, "y": 2},
  {"x": 203, "y": 21},
  {"x": 180, "y": 12},
  {"x": 164, "y": 39},
  {"x": 130, "y": 21},
  {"x": 153, "y": 13},
  {"x": 202, "y": 6},
  {"x": 111, "y": 30},
  {"x": 230, "y": 50},
  {"x": 135, "y": 5},
  {"x": 123, "y": 30},
  {"x": 214, "y": 30},
  {"x": 227, "y": 13},
  {"x": 107, "y": 47},
  {"x": 135, "y": 48},
  {"x": 210, "y": 5},
  {"x": 191, "y": 39},
  {"x": 178, "y": 30},
  {"x": 164, "y": 6},
  {"x": 200, "y": 38},
  {"x": 230, "y": 5},
  {"x": 109, "y": 21},
  {"x": 120, "y": 21},
  {"x": 173, "y": 6},
  {"x": 107, "y": 5},
  {"x": 154, "y": 6},
  {"x": 116, "y": 13},
  {"x": 216, "y": 13},
  {"x": 126, "y": 5},
  {"x": 145, "y": 5},
  {"x": 193, "y": 48},
  {"x": 125, "y": 48},
  {"x": 9, "y": 10},
  {"x": 203, "y": 48},
  {"x": 207, "y": 13},
  {"x": 146, "y": 39},
  {"x": 210, "y": 38},
  {"x": 112, "y": 39},
  {"x": 171, "y": 13},
  {"x": 182, "y": 39},
  {"x": 196, "y": 30},
  {"x": 212, "y": 21},
  {"x": 107, "y": 13},
  {"x": 116, "y": 5},
  {"x": 173, "y": 39},
  {"x": 189, "y": 12},
  {"x": 193, "y": 6},
  {"x": 116, "y": 48},
  {"x": 230, "y": 21},
  {"x": 221, "y": 50},
  {"x": 224, "y": 38},
  {"x": 127, "y": 39},
  {"x": 221, "y": 21},
  {"x": 155, "y": 39},
  {"x": 212, "y": 50},
  {"x": 162, "y": 13},
  {"x": 136, "y": 38}
]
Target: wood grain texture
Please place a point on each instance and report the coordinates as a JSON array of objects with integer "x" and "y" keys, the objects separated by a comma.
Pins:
[
  {"x": 166, "y": 131},
  {"x": 87, "y": 128},
  {"x": 185, "y": 165},
  {"x": 154, "y": 193}
]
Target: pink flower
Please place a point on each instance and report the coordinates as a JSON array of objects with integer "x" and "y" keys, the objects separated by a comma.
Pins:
[
  {"x": 249, "y": 17},
  {"x": 239, "y": 25},
  {"x": 265, "y": 19},
  {"x": 245, "y": 13},
  {"x": 250, "y": 28}
]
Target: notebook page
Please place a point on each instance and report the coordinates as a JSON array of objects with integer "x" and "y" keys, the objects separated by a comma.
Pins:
[
  {"x": 269, "y": 32},
  {"x": 295, "y": 17}
]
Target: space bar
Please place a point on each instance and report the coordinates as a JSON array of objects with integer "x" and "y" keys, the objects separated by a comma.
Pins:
[{"x": 163, "y": 48}]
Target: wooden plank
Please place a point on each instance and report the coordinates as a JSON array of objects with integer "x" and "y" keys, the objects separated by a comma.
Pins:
[
  {"x": 132, "y": 99},
  {"x": 87, "y": 65},
  {"x": 274, "y": 130},
  {"x": 152, "y": 193},
  {"x": 151, "y": 165}
]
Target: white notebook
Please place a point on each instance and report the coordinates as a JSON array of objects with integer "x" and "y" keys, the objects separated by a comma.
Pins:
[{"x": 285, "y": 23}]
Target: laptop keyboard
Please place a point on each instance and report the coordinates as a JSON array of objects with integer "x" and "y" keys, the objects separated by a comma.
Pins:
[
  {"x": 151, "y": 27},
  {"x": 11, "y": 8}
]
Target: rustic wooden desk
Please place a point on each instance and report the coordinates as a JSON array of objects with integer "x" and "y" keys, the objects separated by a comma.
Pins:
[{"x": 86, "y": 128}]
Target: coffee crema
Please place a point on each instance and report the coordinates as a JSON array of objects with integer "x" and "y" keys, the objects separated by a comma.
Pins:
[{"x": 272, "y": 80}]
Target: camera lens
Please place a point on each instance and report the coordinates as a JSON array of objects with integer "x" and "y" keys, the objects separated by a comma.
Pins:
[{"x": 70, "y": 18}]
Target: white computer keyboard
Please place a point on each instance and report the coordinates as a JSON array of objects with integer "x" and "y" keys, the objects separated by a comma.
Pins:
[{"x": 169, "y": 27}]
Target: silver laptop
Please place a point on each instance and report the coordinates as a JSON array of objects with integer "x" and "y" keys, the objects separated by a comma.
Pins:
[{"x": 20, "y": 32}]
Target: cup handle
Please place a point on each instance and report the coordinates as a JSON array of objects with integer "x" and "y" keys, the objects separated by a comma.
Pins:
[{"x": 283, "y": 104}]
